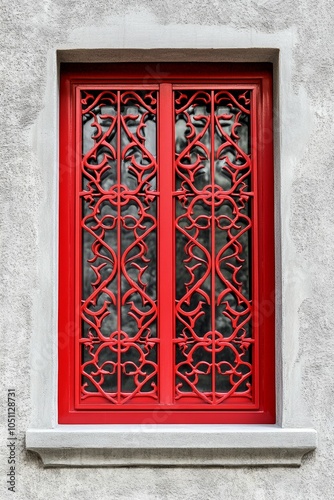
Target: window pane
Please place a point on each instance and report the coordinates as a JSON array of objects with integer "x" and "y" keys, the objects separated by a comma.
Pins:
[
  {"x": 119, "y": 238},
  {"x": 213, "y": 283}
]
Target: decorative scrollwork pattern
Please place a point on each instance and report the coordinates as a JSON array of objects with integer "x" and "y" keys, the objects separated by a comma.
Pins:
[
  {"x": 119, "y": 344},
  {"x": 213, "y": 170}
]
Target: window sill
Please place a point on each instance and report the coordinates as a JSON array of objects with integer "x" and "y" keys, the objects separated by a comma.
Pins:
[{"x": 170, "y": 445}]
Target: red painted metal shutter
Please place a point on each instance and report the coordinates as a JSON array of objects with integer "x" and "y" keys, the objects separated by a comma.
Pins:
[{"x": 166, "y": 254}]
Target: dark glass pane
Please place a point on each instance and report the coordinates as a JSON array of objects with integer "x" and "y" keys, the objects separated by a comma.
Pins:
[
  {"x": 213, "y": 225},
  {"x": 119, "y": 239}
]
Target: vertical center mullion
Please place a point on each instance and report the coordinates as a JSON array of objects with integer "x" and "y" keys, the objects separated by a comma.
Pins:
[
  {"x": 119, "y": 249},
  {"x": 166, "y": 259},
  {"x": 213, "y": 249}
]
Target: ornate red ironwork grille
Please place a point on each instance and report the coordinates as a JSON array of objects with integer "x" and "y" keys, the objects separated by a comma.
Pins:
[{"x": 167, "y": 294}]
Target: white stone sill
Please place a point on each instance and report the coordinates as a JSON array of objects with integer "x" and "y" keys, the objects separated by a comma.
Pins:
[{"x": 170, "y": 445}]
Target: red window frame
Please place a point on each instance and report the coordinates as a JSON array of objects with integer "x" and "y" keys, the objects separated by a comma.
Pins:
[{"x": 257, "y": 78}]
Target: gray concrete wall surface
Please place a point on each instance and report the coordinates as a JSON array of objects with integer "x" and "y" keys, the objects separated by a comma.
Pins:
[{"x": 31, "y": 32}]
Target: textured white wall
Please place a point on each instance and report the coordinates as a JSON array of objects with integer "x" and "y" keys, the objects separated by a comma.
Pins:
[{"x": 31, "y": 31}]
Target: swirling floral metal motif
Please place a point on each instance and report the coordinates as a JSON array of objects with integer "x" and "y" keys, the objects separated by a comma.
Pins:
[
  {"x": 212, "y": 200},
  {"x": 119, "y": 304}
]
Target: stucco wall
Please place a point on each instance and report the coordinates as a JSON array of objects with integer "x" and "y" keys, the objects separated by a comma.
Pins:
[{"x": 30, "y": 34}]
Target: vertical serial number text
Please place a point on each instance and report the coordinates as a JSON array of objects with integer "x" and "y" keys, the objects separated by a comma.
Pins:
[{"x": 11, "y": 440}]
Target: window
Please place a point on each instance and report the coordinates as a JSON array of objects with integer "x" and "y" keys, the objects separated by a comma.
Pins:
[{"x": 166, "y": 273}]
